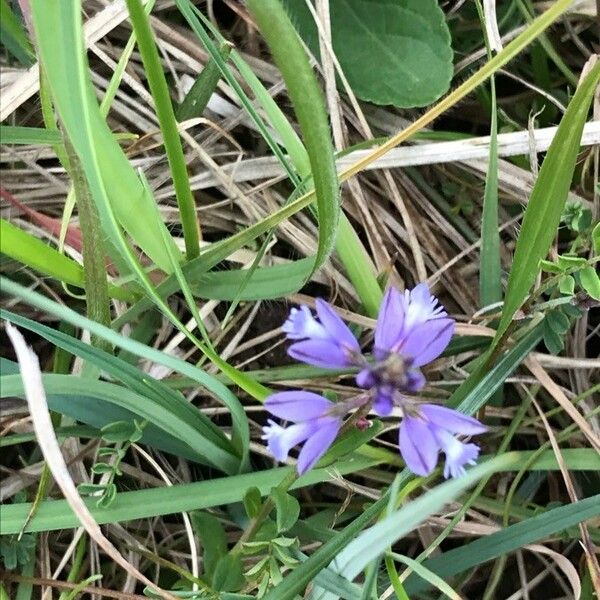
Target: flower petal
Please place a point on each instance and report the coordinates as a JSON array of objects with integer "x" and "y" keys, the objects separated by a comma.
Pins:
[
  {"x": 320, "y": 354},
  {"x": 415, "y": 380},
  {"x": 458, "y": 454},
  {"x": 452, "y": 420},
  {"x": 297, "y": 405},
  {"x": 425, "y": 342},
  {"x": 301, "y": 324},
  {"x": 384, "y": 403},
  {"x": 422, "y": 307},
  {"x": 365, "y": 378},
  {"x": 389, "y": 321},
  {"x": 335, "y": 327},
  {"x": 418, "y": 446},
  {"x": 318, "y": 444},
  {"x": 281, "y": 440}
]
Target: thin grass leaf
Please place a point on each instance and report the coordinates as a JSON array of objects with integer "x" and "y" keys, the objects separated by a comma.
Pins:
[
  {"x": 153, "y": 390},
  {"x": 547, "y": 200},
  {"x": 217, "y": 388},
  {"x": 374, "y": 541},
  {"x": 490, "y": 284},
  {"x": 110, "y": 176},
  {"x": 40, "y": 257},
  {"x": 203, "y": 88},
  {"x": 166, "y": 417},
  {"x": 309, "y": 107},
  {"x": 14, "y": 37},
  {"x": 10, "y": 134},
  {"x": 507, "y": 540},
  {"x": 141, "y": 504}
]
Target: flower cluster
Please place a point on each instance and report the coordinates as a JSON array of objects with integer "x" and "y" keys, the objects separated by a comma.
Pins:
[{"x": 412, "y": 330}]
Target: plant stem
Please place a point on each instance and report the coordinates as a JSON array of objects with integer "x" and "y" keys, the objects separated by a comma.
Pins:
[
  {"x": 94, "y": 257},
  {"x": 265, "y": 511},
  {"x": 168, "y": 126}
]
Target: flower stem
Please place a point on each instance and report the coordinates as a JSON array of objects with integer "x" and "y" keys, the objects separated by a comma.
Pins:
[{"x": 265, "y": 511}]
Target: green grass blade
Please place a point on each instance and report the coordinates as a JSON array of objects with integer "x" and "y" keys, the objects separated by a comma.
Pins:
[
  {"x": 14, "y": 37},
  {"x": 485, "y": 384},
  {"x": 547, "y": 199},
  {"x": 507, "y": 540},
  {"x": 163, "y": 415},
  {"x": 139, "y": 382},
  {"x": 40, "y": 257},
  {"x": 374, "y": 542},
  {"x": 197, "y": 98},
  {"x": 490, "y": 285},
  {"x": 210, "y": 383},
  {"x": 168, "y": 125},
  {"x": 29, "y": 135},
  {"x": 309, "y": 107},
  {"x": 56, "y": 514},
  {"x": 110, "y": 176},
  {"x": 220, "y": 491}
]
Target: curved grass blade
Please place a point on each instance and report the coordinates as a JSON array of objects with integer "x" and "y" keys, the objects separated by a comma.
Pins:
[
  {"x": 110, "y": 176},
  {"x": 309, "y": 107},
  {"x": 139, "y": 382},
  {"x": 211, "y": 384}
]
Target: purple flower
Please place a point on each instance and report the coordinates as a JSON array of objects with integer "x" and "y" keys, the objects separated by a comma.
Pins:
[
  {"x": 412, "y": 325},
  {"x": 431, "y": 429},
  {"x": 326, "y": 343},
  {"x": 412, "y": 330},
  {"x": 316, "y": 423}
]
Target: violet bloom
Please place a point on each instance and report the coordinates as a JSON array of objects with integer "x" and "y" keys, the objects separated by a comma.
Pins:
[
  {"x": 325, "y": 343},
  {"x": 316, "y": 423},
  {"x": 412, "y": 330},
  {"x": 430, "y": 429}
]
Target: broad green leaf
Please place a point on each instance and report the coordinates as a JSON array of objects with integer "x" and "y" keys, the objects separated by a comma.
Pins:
[
  {"x": 287, "y": 509},
  {"x": 253, "y": 502},
  {"x": 507, "y": 540},
  {"x": 596, "y": 238},
  {"x": 408, "y": 40},
  {"x": 228, "y": 575},
  {"x": 590, "y": 282},
  {"x": 213, "y": 539},
  {"x": 547, "y": 199}
]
